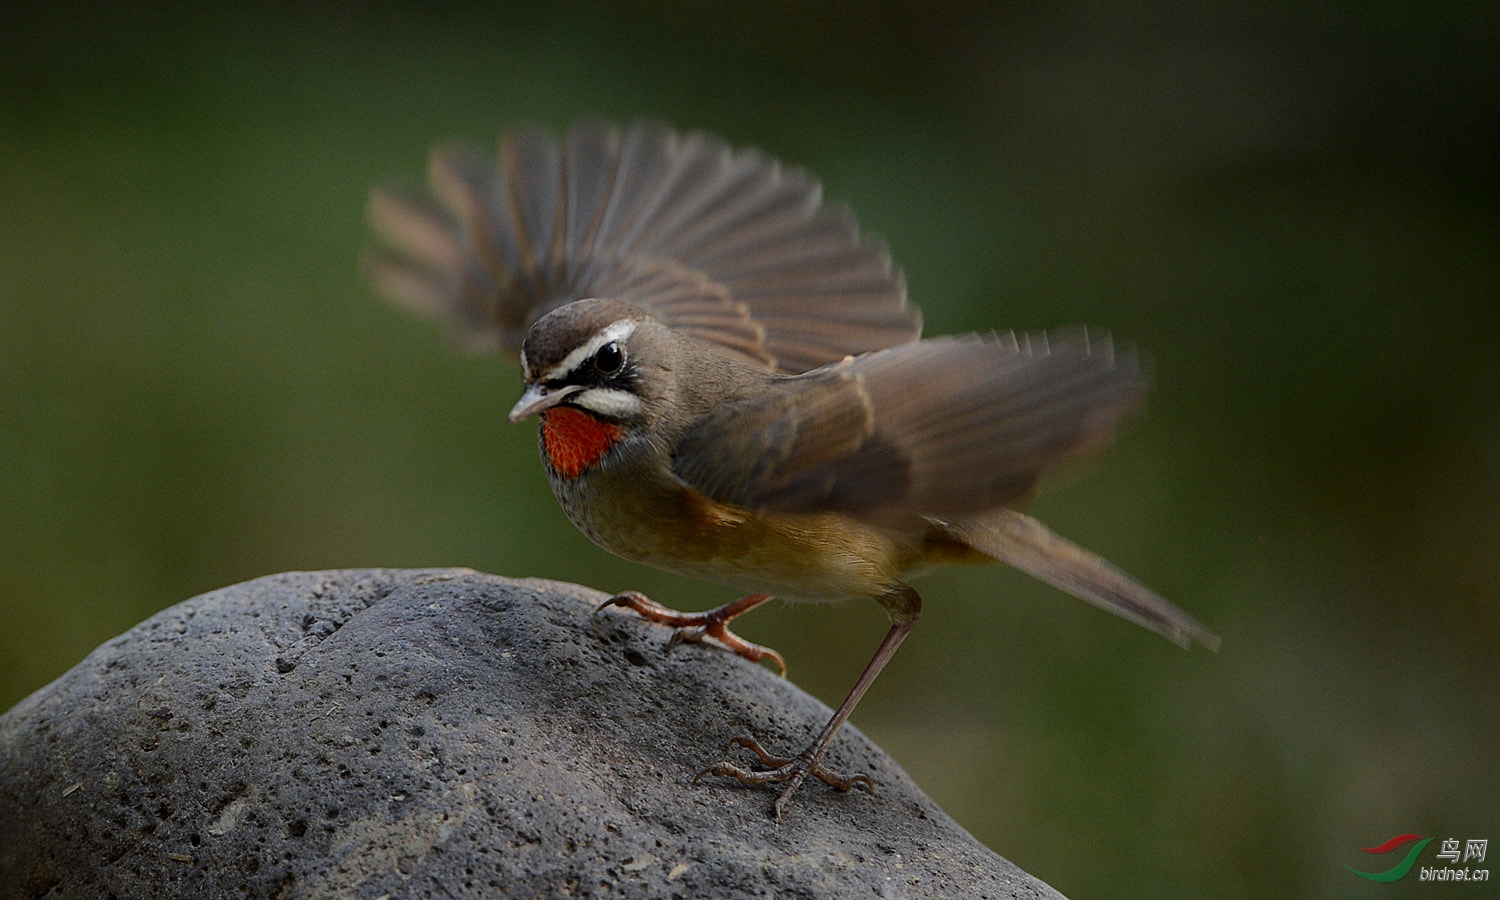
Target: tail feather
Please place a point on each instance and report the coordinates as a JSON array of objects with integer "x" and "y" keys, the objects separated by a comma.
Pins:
[{"x": 1021, "y": 541}]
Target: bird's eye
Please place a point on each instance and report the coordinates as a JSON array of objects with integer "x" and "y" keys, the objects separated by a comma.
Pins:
[{"x": 609, "y": 359}]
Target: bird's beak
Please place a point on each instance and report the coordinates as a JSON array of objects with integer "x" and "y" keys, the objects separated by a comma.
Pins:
[{"x": 538, "y": 398}]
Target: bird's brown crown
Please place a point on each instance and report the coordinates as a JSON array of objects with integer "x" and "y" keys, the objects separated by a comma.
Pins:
[{"x": 561, "y": 341}]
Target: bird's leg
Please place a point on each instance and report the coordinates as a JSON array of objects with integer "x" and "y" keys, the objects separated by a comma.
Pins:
[
  {"x": 711, "y": 627},
  {"x": 903, "y": 606}
]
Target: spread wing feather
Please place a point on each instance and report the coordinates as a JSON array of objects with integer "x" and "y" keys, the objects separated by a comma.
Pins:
[
  {"x": 946, "y": 427},
  {"x": 724, "y": 245}
]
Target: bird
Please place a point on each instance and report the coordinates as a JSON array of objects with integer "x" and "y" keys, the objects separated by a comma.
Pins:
[{"x": 731, "y": 385}]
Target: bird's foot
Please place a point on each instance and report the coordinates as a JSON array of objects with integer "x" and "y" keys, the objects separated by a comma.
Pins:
[
  {"x": 790, "y": 772},
  {"x": 711, "y": 627}
]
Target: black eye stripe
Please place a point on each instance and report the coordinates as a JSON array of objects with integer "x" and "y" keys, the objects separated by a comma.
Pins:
[{"x": 590, "y": 372}]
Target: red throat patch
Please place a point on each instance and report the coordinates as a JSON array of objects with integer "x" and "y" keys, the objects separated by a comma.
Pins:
[{"x": 575, "y": 440}]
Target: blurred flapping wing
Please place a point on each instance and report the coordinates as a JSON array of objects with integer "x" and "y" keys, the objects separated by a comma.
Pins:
[
  {"x": 945, "y": 427},
  {"x": 726, "y": 246}
]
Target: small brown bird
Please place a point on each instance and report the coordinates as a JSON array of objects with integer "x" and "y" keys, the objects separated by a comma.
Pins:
[{"x": 731, "y": 385}]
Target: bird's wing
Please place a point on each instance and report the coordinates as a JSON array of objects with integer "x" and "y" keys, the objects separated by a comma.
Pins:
[
  {"x": 944, "y": 427},
  {"x": 726, "y": 246}
]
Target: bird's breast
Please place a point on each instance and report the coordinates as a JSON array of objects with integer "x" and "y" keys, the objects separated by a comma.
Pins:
[{"x": 649, "y": 517}]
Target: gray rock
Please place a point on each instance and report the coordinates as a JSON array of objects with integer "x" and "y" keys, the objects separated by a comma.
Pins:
[{"x": 443, "y": 733}]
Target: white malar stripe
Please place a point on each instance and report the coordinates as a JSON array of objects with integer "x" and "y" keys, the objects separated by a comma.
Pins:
[
  {"x": 609, "y": 402},
  {"x": 618, "y": 330}
]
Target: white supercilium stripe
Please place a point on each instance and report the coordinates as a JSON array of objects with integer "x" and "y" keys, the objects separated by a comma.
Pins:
[{"x": 618, "y": 330}]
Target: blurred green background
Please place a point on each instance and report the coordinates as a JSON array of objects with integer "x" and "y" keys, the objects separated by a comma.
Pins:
[{"x": 1293, "y": 209}]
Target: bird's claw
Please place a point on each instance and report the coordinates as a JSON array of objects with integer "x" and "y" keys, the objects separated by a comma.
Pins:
[
  {"x": 711, "y": 627},
  {"x": 790, "y": 771}
]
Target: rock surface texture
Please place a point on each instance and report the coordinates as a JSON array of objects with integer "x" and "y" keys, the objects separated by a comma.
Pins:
[{"x": 445, "y": 733}]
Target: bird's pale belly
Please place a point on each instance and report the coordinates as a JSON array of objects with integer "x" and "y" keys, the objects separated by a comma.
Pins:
[{"x": 801, "y": 556}]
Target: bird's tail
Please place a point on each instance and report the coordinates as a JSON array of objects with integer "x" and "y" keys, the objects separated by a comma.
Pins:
[{"x": 1021, "y": 541}]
